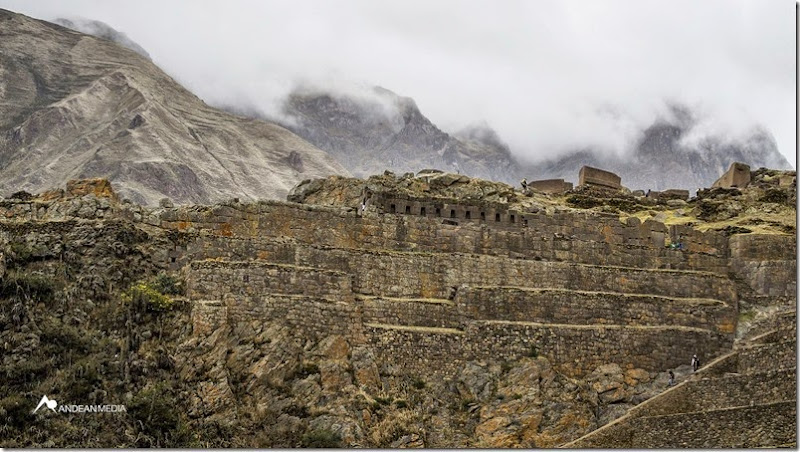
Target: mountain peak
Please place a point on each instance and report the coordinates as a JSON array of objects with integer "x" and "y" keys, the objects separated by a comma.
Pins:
[{"x": 102, "y": 30}]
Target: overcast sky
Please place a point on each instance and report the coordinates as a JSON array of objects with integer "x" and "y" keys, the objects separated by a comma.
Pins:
[{"x": 547, "y": 75}]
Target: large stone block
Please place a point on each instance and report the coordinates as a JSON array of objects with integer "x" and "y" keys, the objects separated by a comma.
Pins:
[
  {"x": 551, "y": 185},
  {"x": 598, "y": 177},
  {"x": 738, "y": 175}
]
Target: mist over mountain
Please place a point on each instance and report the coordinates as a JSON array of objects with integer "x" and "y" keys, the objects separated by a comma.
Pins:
[
  {"x": 76, "y": 106},
  {"x": 369, "y": 132},
  {"x": 667, "y": 156},
  {"x": 380, "y": 130},
  {"x": 101, "y": 30}
]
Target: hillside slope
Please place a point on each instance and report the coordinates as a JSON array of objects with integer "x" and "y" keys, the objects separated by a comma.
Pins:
[
  {"x": 74, "y": 106},
  {"x": 380, "y": 130}
]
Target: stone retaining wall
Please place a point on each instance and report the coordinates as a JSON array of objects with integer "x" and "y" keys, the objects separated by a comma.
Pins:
[
  {"x": 747, "y": 427},
  {"x": 420, "y": 312},
  {"x": 566, "y": 236},
  {"x": 213, "y": 280},
  {"x": 762, "y": 358},
  {"x": 744, "y": 427},
  {"x": 592, "y": 308},
  {"x": 725, "y": 391}
]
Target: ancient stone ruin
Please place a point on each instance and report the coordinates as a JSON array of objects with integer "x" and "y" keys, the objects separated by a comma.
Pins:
[
  {"x": 429, "y": 285},
  {"x": 599, "y": 178},
  {"x": 551, "y": 185},
  {"x": 738, "y": 175}
]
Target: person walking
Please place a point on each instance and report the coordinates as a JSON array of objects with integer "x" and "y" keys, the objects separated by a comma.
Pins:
[
  {"x": 671, "y": 378},
  {"x": 695, "y": 363}
]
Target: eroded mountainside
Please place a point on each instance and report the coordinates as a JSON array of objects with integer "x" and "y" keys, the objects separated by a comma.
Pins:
[
  {"x": 450, "y": 312},
  {"x": 662, "y": 158},
  {"x": 380, "y": 130},
  {"x": 73, "y": 106}
]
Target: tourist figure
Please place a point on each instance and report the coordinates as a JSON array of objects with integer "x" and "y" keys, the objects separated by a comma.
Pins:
[
  {"x": 524, "y": 183},
  {"x": 671, "y": 378},
  {"x": 695, "y": 363}
]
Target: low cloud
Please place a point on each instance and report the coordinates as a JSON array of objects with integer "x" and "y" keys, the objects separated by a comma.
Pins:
[{"x": 550, "y": 76}]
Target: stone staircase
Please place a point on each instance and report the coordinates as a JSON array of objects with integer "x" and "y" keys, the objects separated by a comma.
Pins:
[{"x": 744, "y": 399}]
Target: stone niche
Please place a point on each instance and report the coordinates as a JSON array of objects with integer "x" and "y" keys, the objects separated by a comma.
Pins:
[
  {"x": 599, "y": 178},
  {"x": 738, "y": 175},
  {"x": 550, "y": 185}
]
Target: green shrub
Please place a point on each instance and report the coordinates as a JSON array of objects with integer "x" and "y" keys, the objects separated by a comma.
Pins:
[
  {"x": 383, "y": 400},
  {"x": 400, "y": 404},
  {"x": 27, "y": 286},
  {"x": 15, "y": 411},
  {"x": 418, "y": 383},
  {"x": 167, "y": 284},
  {"x": 321, "y": 439},
  {"x": 533, "y": 352},
  {"x": 157, "y": 410},
  {"x": 144, "y": 295}
]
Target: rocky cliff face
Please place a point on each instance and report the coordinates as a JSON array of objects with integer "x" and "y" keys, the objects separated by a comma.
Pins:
[
  {"x": 73, "y": 105},
  {"x": 379, "y": 130}
]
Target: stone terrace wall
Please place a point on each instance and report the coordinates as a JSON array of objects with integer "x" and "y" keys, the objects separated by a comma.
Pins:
[
  {"x": 761, "y": 358},
  {"x": 767, "y": 262},
  {"x": 403, "y": 274},
  {"x": 405, "y": 311},
  {"x": 563, "y": 236},
  {"x": 726, "y": 391},
  {"x": 763, "y": 425},
  {"x": 212, "y": 280},
  {"x": 311, "y": 318},
  {"x": 592, "y": 308},
  {"x": 433, "y": 275},
  {"x": 744, "y": 427},
  {"x": 576, "y": 350}
]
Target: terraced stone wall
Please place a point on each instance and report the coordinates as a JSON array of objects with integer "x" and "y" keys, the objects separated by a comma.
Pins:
[
  {"x": 767, "y": 262},
  {"x": 727, "y": 391},
  {"x": 562, "y": 236},
  {"x": 744, "y": 427},
  {"x": 593, "y": 308}
]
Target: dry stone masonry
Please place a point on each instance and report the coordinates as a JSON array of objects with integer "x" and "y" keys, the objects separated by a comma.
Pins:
[{"x": 427, "y": 285}]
